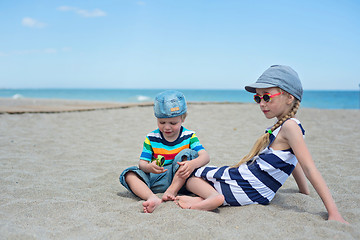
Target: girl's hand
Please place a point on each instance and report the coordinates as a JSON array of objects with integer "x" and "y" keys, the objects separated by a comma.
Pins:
[
  {"x": 185, "y": 169},
  {"x": 337, "y": 217}
]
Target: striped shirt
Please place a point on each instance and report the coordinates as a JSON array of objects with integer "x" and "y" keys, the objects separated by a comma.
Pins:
[
  {"x": 253, "y": 182},
  {"x": 155, "y": 144}
]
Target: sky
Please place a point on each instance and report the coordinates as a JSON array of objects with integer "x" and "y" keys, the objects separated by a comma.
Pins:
[{"x": 183, "y": 44}]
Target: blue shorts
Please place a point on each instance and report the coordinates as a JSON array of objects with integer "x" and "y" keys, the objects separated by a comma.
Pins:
[{"x": 158, "y": 183}]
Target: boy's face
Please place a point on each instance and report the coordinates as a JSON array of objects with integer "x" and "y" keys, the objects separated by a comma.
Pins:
[{"x": 170, "y": 127}]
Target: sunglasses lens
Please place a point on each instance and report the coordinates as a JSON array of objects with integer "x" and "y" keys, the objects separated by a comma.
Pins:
[
  {"x": 266, "y": 98},
  {"x": 257, "y": 98}
]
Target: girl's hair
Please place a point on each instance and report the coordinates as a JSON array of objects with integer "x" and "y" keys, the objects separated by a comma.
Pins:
[{"x": 264, "y": 140}]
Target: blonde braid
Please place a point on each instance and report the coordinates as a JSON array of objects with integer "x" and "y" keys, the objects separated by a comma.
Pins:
[
  {"x": 264, "y": 140},
  {"x": 291, "y": 114}
]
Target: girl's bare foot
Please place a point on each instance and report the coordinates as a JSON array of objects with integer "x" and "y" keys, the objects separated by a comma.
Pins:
[
  {"x": 150, "y": 204},
  {"x": 199, "y": 203},
  {"x": 186, "y": 201}
]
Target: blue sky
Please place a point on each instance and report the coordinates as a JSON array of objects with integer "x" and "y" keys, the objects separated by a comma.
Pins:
[{"x": 200, "y": 44}]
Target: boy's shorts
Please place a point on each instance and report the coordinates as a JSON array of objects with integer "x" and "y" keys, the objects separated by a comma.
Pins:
[{"x": 158, "y": 183}]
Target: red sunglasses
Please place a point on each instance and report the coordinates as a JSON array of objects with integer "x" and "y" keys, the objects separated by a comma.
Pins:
[{"x": 267, "y": 97}]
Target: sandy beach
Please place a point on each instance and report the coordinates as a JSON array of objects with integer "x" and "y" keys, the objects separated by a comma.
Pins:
[{"x": 59, "y": 174}]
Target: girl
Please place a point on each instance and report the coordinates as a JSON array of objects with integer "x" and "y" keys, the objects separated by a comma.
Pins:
[{"x": 258, "y": 175}]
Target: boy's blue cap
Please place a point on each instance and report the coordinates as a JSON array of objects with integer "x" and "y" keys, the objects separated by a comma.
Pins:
[
  {"x": 280, "y": 76},
  {"x": 169, "y": 104}
]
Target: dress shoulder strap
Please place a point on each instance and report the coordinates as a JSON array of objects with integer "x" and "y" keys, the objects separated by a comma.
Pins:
[{"x": 276, "y": 131}]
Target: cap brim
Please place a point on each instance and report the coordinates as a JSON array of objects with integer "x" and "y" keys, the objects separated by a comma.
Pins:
[{"x": 252, "y": 88}]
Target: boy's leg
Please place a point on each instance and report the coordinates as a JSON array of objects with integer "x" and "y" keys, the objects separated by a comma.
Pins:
[
  {"x": 178, "y": 182},
  {"x": 140, "y": 189},
  {"x": 173, "y": 189},
  {"x": 209, "y": 198}
]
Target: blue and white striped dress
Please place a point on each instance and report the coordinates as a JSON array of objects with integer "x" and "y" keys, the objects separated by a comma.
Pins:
[{"x": 253, "y": 183}]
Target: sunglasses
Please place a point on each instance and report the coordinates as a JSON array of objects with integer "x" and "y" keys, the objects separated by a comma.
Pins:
[
  {"x": 160, "y": 160},
  {"x": 267, "y": 97}
]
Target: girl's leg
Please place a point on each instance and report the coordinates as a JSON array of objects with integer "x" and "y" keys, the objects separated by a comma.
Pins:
[
  {"x": 141, "y": 190},
  {"x": 209, "y": 198}
]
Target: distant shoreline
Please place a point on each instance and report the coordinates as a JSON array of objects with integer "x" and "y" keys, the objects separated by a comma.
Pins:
[
  {"x": 39, "y": 105},
  {"x": 311, "y": 99},
  {"x": 22, "y": 105}
]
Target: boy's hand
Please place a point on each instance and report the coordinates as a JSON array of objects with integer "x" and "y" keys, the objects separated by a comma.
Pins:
[
  {"x": 185, "y": 169},
  {"x": 153, "y": 168}
]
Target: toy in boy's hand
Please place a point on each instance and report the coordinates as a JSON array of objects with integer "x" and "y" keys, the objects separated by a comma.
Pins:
[{"x": 160, "y": 160}]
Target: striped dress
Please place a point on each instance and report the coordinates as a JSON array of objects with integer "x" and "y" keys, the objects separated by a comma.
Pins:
[{"x": 253, "y": 183}]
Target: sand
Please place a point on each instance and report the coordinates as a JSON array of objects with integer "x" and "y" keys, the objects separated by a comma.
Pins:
[{"x": 59, "y": 175}]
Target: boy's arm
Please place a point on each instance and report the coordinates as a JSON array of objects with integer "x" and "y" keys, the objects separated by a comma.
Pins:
[
  {"x": 187, "y": 167},
  {"x": 201, "y": 160},
  {"x": 145, "y": 163}
]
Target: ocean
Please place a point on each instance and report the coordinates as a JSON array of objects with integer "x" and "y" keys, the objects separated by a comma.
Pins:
[{"x": 311, "y": 99}]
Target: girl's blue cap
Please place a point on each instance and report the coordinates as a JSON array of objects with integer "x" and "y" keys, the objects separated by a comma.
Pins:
[
  {"x": 169, "y": 104},
  {"x": 280, "y": 76}
]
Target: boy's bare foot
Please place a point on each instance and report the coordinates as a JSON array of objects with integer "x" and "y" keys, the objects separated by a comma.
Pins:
[
  {"x": 168, "y": 196},
  {"x": 150, "y": 204},
  {"x": 186, "y": 201}
]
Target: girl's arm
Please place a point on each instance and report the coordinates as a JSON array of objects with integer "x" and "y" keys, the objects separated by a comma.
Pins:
[
  {"x": 300, "y": 179},
  {"x": 295, "y": 139}
]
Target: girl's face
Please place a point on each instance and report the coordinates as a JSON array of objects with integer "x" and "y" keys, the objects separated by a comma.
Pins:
[
  {"x": 170, "y": 127},
  {"x": 278, "y": 106}
]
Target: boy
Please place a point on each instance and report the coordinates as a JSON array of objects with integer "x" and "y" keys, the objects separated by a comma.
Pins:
[{"x": 170, "y": 154}]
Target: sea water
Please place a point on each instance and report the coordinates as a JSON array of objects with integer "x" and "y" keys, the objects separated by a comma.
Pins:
[{"x": 311, "y": 99}]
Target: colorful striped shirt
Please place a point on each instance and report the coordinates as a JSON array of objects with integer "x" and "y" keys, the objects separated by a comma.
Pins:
[{"x": 155, "y": 144}]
